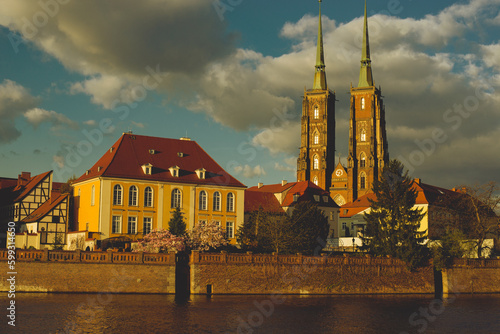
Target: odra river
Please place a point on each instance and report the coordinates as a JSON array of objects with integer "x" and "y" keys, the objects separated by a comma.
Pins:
[{"x": 92, "y": 313}]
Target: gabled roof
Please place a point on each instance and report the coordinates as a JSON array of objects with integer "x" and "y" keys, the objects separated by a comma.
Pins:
[
  {"x": 23, "y": 191},
  {"x": 131, "y": 151},
  {"x": 44, "y": 209},
  {"x": 306, "y": 191},
  {"x": 426, "y": 194},
  {"x": 255, "y": 200}
]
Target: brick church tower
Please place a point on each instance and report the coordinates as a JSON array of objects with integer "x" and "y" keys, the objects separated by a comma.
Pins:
[
  {"x": 368, "y": 152},
  {"x": 317, "y": 148}
]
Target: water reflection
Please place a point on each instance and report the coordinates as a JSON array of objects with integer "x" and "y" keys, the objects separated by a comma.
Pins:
[{"x": 91, "y": 313}]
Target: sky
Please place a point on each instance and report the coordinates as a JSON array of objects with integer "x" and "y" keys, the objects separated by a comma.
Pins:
[{"x": 230, "y": 74}]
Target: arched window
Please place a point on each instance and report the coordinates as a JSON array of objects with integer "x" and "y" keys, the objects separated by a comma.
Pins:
[
  {"x": 362, "y": 181},
  {"x": 363, "y": 135},
  {"x": 217, "y": 199},
  {"x": 315, "y": 162},
  {"x": 92, "y": 196},
  {"x": 175, "y": 201},
  {"x": 117, "y": 195},
  {"x": 339, "y": 199},
  {"x": 316, "y": 138},
  {"x": 148, "y": 197},
  {"x": 203, "y": 200},
  {"x": 132, "y": 196},
  {"x": 316, "y": 112},
  {"x": 230, "y": 202},
  {"x": 362, "y": 103},
  {"x": 362, "y": 160},
  {"x": 315, "y": 180}
]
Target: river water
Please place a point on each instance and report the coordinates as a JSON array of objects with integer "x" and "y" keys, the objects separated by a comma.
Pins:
[{"x": 93, "y": 313}]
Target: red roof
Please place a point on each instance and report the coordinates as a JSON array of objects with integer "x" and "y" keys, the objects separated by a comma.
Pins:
[
  {"x": 255, "y": 200},
  {"x": 426, "y": 194},
  {"x": 127, "y": 156},
  {"x": 32, "y": 183},
  {"x": 44, "y": 209},
  {"x": 306, "y": 191}
]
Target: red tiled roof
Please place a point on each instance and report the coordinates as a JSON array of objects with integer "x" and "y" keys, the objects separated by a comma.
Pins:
[
  {"x": 255, "y": 199},
  {"x": 32, "y": 183},
  {"x": 305, "y": 189},
  {"x": 426, "y": 194},
  {"x": 45, "y": 208},
  {"x": 132, "y": 151}
]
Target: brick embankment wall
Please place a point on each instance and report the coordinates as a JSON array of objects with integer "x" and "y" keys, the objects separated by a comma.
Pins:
[
  {"x": 472, "y": 276},
  {"x": 266, "y": 274},
  {"x": 90, "y": 272}
]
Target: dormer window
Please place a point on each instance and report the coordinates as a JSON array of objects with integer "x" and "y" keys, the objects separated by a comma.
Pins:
[
  {"x": 316, "y": 198},
  {"x": 147, "y": 169},
  {"x": 174, "y": 171},
  {"x": 180, "y": 154},
  {"x": 295, "y": 197},
  {"x": 152, "y": 151},
  {"x": 201, "y": 173},
  {"x": 325, "y": 199}
]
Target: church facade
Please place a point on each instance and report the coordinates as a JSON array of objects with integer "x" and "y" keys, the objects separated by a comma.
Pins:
[{"x": 368, "y": 149}]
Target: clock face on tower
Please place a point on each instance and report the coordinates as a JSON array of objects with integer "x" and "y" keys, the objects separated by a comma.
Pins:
[{"x": 339, "y": 172}]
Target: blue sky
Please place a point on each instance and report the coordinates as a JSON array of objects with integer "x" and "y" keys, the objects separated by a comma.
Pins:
[{"x": 233, "y": 81}]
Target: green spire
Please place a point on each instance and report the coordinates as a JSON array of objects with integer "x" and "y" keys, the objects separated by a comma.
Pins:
[
  {"x": 320, "y": 75},
  {"x": 365, "y": 75}
]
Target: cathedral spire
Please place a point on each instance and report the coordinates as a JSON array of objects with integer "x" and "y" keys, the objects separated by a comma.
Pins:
[
  {"x": 365, "y": 75},
  {"x": 320, "y": 75}
]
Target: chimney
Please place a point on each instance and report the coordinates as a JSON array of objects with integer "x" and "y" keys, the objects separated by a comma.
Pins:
[
  {"x": 260, "y": 185},
  {"x": 284, "y": 182},
  {"x": 23, "y": 178}
]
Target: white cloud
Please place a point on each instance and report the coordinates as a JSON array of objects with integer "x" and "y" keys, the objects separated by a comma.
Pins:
[
  {"x": 249, "y": 172},
  {"x": 280, "y": 139},
  {"x": 14, "y": 101},
  {"x": 90, "y": 122},
  {"x": 104, "y": 90},
  {"x": 139, "y": 125},
  {"x": 37, "y": 116}
]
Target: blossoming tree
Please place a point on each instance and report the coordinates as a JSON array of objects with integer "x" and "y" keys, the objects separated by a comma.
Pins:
[
  {"x": 161, "y": 241},
  {"x": 207, "y": 236}
]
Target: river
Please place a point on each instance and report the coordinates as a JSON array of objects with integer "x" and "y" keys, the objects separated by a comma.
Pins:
[{"x": 93, "y": 313}]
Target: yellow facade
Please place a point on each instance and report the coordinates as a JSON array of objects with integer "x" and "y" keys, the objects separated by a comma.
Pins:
[{"x": 110, "y": 206}]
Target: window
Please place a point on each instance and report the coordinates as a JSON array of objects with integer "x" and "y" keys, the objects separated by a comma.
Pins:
[
  {"x": 116, "y": 226},
  {"x": 315, "y": 162},
  {"x": 217, "y": 198},
  {"x": 363, "y": 135},
  {"x": 230, "y": 202},
  {"x": 315, "y": 180},
  {"x": 117, "y": 195},
  {"x": 132, "y": 225},
  {"x": 316, "y": 112},
  {"x": 316, "y": 138},
  {"x": 176, "y": 199},
  {"x": 132, "y": 196},
  {"x": 217, "y": 223},
  {"x": 229, "y": 230},
  {"x": 362, "y": 103},
  {"x": 344, "y": 226},
  {"x": 203, "y": 200},
  {"x": 362, "y": 160},
  {"x": 148, "y": 197},
  {"x": 92, "y": 196},
  {"x": 146, "y": 226},
  {"x": 202, "y": 223},
  {"x": 362, "y": 181}
]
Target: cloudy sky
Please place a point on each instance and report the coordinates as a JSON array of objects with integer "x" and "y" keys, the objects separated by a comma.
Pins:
[{"x": 75, "y": 75}]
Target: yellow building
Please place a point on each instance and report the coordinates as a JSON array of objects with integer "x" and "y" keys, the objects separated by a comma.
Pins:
[{"x": 137, "y": 184}]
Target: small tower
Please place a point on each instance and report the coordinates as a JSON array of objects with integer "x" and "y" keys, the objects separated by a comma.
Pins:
[{"x": 317, "y": 148}]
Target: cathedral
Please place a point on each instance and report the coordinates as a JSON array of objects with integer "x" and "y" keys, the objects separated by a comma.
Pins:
[{"x": 368, "y": 150}]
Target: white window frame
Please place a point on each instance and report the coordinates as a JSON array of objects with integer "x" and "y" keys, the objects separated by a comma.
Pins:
[
  {"x": 148, "y": 197},
  {"x": 230, "y": 202},
  {"x": 132, "y": 221},
  {"x": 117, "y": 194},
  {"x": 116, "y": 224},
  {"x": 203, "y": 200},
  {"x": 176, "y": 198},
  {"x": 217, "y": 201},
  {"x": 230, "y": 230},
  {"x": 147, "y": 221},
  {"x": 133, "y": 196}
]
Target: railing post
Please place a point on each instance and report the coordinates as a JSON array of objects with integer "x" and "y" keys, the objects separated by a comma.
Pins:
[
  {"x": 109, "y": 255},
  {"x": 224, "y": 256},
  {"x": 78, "y": 255},
  {"x": 171, "y": 257},
  {"x": 45, "y": 256},
  {"x": 300, "y": 258},
  {"x": 195, "y": 256},
  {"x": 140, "y": 257},
  {"x": 250, "y": 256}
]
